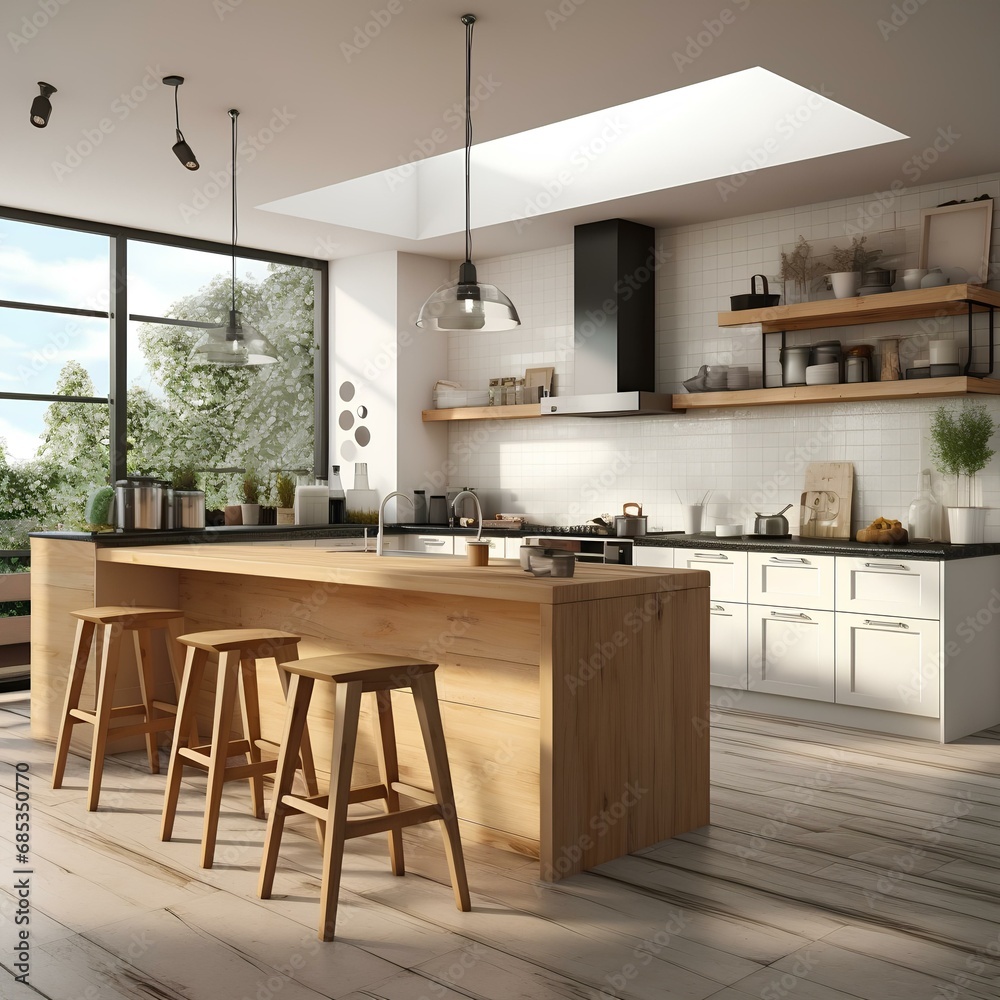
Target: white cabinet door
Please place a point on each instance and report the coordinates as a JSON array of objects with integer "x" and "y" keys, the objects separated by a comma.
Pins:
[
  {"x": 652, "y": 555},
  {"x": 390, "y": 543},
  {"x": 790, "y": 579},
  {"x": 728, "y": 645},
  {"x": 431, "y": 544},
  {"x": 910, "y": 588},
  {"x": 889, "y": 663},
  {"x": 728, "y": 570},
  {"x": 790, "y": 652}
]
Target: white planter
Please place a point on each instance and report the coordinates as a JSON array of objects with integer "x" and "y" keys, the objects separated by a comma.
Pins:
[
  {"x": 845, "y": 283},
  {"x": 967, "y": 525},
  {"x": 251, "y": 513}
]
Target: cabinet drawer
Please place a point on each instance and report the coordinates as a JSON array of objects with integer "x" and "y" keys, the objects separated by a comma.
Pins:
[
  {"x": 431, "y": 544},
  {"x": 728, "y": 570},
  {"x": 889, "y": 663},
  {"x": 650, "y": 555},
  {"x": 790, "y": 652},
  {"x": 792, "y": 579},
  {"x": 728, "y": 645},
  {"x": 910, "y": 588},
  {"x": 345, "y": 544}
]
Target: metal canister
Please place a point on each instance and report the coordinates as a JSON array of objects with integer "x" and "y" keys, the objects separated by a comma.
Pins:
[
  {"x": 856, "y": 369},
  {"x": 139, "y": 504}
]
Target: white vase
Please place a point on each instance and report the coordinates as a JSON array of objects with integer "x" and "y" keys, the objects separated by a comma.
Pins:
[
  {"x": 251, "y": 513},
  {"x": 967, "y": 525},
  {"x": 845, "y": 283}
]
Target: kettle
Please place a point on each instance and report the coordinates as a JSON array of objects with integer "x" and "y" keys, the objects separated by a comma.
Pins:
[{"x": 771, "y": 524}]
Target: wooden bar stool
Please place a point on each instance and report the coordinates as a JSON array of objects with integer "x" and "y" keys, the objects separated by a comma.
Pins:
[
  {"x": 113, "y": 621},
  {"x": 238, "y": 650},
  {"x": 353, "y": 675}
]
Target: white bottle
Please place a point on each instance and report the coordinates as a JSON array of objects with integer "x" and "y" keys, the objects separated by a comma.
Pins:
[
  {"x": 312, "y": 503},
  {"x": 923, "y": 520}
]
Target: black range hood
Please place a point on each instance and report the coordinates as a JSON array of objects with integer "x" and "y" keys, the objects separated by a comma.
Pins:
[{"x": 614, "y": 299}]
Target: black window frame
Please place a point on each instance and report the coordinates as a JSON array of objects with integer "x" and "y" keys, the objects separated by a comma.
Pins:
[{"x": 118, "y": 319}]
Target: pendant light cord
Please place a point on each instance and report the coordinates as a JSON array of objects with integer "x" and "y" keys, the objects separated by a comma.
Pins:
[
  {"x": 177, "y": 114},
  {"x": 469, "y": 20},
  {"x": 234, "y": 114}
]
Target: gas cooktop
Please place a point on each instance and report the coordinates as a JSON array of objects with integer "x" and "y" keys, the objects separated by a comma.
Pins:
[{"x": 566, "y": 529}]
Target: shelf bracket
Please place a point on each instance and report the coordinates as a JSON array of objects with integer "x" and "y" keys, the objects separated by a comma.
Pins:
[
  {"x": 968, "y": 361},
  {"x": 763, "y": 355}
]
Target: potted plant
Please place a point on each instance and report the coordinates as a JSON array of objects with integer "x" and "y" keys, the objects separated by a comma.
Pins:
[
  {"x": 799, "y": 271},
  {"x": 848, "y": 264},
  {"x": 285, "y": 489},
  {"x": 961, "y": 448},
  {"x": 250, "y": 490}
]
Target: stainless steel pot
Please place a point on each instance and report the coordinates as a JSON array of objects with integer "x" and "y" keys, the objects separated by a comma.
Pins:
[
  {"x": 189, "y": 509},
  {"x": 771, "y": 524},
  {"x": 794, "y": 361},
  {"x": 140, "y": 504},
  {"x": 630, "y": 525}
]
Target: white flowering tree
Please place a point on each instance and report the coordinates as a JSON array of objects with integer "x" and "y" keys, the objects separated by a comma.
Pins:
[{"x": 206, "y": 417}]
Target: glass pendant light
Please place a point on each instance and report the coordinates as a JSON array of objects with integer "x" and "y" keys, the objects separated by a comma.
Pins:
[
  {"x": 467, "y": 304},
  {"x": 237, "y": 343}
]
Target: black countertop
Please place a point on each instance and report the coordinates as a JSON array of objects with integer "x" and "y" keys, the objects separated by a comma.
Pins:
[{"x": 666, "y": 539}]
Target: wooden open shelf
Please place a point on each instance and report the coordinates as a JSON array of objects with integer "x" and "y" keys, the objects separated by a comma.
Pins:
[
  {"x": 483, "y": 412},
  {"x": 921, "y": 303},
  {"x": 917, "y": 388}
]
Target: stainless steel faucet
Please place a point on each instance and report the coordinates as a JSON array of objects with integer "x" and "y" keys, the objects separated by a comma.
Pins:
[
  {"x": 479, "y": 510},
  {"x": 381, "y": 517}
]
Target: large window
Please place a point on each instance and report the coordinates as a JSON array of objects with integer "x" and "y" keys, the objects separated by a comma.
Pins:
[{"x": 97, "y": 381}]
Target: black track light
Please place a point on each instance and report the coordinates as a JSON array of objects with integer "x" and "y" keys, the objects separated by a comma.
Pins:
[
  {"x": 182, "y": 150},
  {"x": 41, "y": 106}
]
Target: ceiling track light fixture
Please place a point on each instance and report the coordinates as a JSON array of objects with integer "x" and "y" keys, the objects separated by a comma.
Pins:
[
  {"x": 236, "y": 344},
  {"x": 182, "y": 150},
  {"x": 467, "y": 304},
  {"x": 41, "y": 106}
]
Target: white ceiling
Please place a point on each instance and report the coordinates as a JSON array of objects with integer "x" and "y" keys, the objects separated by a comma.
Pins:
[{"x": 340, "y": 110}]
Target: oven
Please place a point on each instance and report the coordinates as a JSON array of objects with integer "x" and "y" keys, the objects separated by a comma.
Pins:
[{"x": 587, "y": 548}]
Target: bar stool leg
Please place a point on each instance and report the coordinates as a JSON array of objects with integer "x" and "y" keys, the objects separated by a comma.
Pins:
[
  {"x": 283, "y": 655},
  {"x": 142, "y": 640},
  {"x": 176, "y": 657},
  {"x": 299, "y": 693},
  {"x": 108, "y": 674},
  {"x": 250, "y": 712},
  {"x": 194, "y": 672},
  {"x": 225, "y": 697},
  {"x": 388, "y": 769},
  {"x": 429, "y": 715},
  {"x": 345, "y": 735},
  {"x": 78, "y": 671}
]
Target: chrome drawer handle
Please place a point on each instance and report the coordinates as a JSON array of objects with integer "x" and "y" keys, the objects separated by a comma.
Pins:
[
  {"x": 801, "y": 616},
  {"x": 789, "y": 559},
  {"x": 868, "y": 621},
  {"x": 712, "y": 555},
  {"x": 432, "y": 541},
  {"x": 906, "y": 569}
]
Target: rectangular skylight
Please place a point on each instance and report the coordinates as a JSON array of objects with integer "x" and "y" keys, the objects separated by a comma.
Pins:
[{"x": 753, "y": 119}]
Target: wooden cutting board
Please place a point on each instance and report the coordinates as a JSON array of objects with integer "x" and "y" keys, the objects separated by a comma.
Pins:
[{"x": 825, "y": 506}]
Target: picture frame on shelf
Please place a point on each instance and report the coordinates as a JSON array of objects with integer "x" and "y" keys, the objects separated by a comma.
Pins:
[
  {"x": 541, "y": 377},
  {"x": 956, "y": 238}
]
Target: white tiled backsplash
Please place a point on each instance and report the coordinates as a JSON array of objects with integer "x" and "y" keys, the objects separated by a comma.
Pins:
[{"x": 567, "y": 469}]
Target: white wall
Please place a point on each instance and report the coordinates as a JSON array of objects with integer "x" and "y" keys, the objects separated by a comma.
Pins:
[{"x": 564, "y": 470}]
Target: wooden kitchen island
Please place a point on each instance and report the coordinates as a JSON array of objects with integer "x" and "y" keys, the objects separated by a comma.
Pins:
[{"x": 575, "y": 710}]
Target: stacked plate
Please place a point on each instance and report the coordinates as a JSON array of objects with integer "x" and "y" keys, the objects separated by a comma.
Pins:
[
  {"x": 738, "y": 377},
  {"x": 716, "y": 380},
  {"x": 828, "y": 374}
]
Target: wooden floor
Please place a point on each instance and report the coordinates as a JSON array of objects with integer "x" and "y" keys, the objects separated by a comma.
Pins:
[{"x": 837, "y": 865}]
